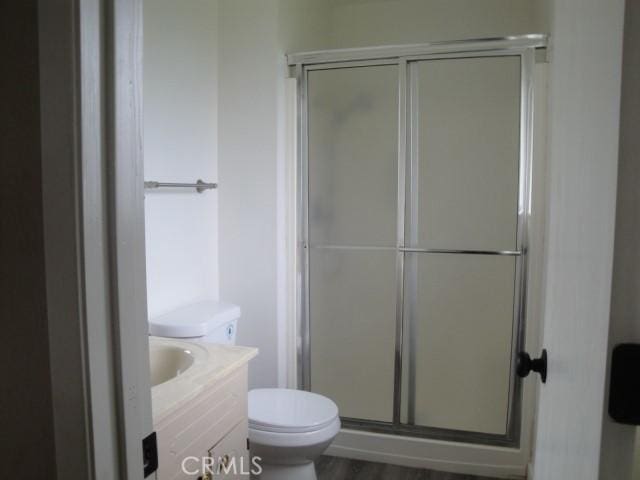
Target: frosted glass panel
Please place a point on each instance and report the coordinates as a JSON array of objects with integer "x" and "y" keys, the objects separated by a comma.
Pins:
[
  {"x": 460, "y": 340},
  {"x": 353, "y": 117},
  {"x": 462, "y": 194},
  {"x": 467, "y": 123},
  {"x": 352, "y": 319}
]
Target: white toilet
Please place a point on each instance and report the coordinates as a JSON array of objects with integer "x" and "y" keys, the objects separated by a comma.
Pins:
[{"x": 288, "y": 429}]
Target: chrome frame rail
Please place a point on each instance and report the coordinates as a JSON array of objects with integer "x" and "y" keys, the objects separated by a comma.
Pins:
[
  {"x": 433, "y": 433},
  {"x": 394, "y": 52},
  {"x": 404, "y": 56},
  {"x": 402, "y": 162}
]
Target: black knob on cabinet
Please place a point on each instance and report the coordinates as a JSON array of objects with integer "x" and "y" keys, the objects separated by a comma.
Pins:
[{"x": 525, "y": 365}]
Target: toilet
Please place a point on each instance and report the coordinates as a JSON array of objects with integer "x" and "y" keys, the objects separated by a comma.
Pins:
[{"x": 288, "y": 429}]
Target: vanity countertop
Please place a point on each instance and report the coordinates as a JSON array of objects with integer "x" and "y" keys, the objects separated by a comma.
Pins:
[{"x": 213, "y": 362}]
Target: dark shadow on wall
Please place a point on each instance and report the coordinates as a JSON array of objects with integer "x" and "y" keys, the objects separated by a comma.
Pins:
[
  {"x": 26, "y": 413},
  {"x": 617, "y": 439}
]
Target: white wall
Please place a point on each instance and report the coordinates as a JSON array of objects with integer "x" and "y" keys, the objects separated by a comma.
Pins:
[
  {"x": 248, "y": 162},
  {"x": 357, "y": 23},
  {"x": 180, "y": 145},
  {"x": 253, "y": 39},
  {"x": 304, "y": 25},
  {"x": 190, "y": 60}
]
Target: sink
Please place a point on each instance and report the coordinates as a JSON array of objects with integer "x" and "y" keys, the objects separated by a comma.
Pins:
[
  {"x": 181, "y": 369},
  {"x": 168, "y": 361}
]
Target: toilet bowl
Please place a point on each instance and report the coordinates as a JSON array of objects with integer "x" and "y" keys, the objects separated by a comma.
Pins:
[{"x": 288, "y": 430}]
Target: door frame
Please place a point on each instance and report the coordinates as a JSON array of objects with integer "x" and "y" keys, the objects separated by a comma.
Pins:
[
  {"x": 91, "y": 117},
  {"x": 584, "y": 129},
  {"x": 404, "y": 56}
]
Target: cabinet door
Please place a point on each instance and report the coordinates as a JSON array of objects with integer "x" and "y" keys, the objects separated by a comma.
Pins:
[{"x": 230, "y": 456}]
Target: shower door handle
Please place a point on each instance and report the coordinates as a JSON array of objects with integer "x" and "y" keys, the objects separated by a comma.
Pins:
[{"x": 524, "y": 365}]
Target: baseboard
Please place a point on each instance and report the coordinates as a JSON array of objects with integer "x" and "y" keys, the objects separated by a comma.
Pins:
[{"x": 465, "y": 459}]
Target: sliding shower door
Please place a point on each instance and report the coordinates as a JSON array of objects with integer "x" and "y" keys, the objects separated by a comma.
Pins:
[
  {"x": 461, "y": 241},
  {"x": 415, "y": 196},
  {"x": 352, "y": 221}
]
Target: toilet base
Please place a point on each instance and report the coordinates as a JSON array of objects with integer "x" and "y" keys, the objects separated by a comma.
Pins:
[{"x": 305, "y": 471}]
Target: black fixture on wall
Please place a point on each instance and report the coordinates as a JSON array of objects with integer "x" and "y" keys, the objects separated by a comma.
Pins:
[{"x": 624, "y": 386}]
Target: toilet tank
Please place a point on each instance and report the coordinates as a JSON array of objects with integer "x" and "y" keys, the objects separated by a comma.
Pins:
[
  {"x": 224, "y": 334},
  {"x": 208, "y": 321}
]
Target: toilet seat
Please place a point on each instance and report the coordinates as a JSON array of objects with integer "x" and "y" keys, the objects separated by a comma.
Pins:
[
  {"x": 293, "y": 439},
  {"x": 284, "y": 417},
  {"x": 285, "y": 410}
]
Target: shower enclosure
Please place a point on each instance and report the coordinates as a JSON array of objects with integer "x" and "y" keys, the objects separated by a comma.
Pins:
[{"x": 414, "y": 194}]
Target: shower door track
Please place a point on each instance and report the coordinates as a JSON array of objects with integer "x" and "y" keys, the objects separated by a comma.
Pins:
[{"x": 523, "y": 47}]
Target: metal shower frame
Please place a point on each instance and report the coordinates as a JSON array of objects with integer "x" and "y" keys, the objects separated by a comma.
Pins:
[{"x": 524, "y": 47}]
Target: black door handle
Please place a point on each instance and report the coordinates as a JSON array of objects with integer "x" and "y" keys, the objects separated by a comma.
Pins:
[{"x": 524, "y": 365}]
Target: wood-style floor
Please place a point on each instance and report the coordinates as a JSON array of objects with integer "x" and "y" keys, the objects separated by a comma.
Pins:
[{"x": 334, "y": 468}]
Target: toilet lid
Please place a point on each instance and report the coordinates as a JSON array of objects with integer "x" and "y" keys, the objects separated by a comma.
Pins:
[{"x": 284, "y": 410}]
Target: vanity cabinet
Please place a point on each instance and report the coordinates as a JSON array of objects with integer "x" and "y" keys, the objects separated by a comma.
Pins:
[{"x": 210, "y": 429}]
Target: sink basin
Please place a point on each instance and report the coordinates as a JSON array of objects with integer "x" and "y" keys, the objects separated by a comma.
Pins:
[{"x": 168, "y": 361}]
